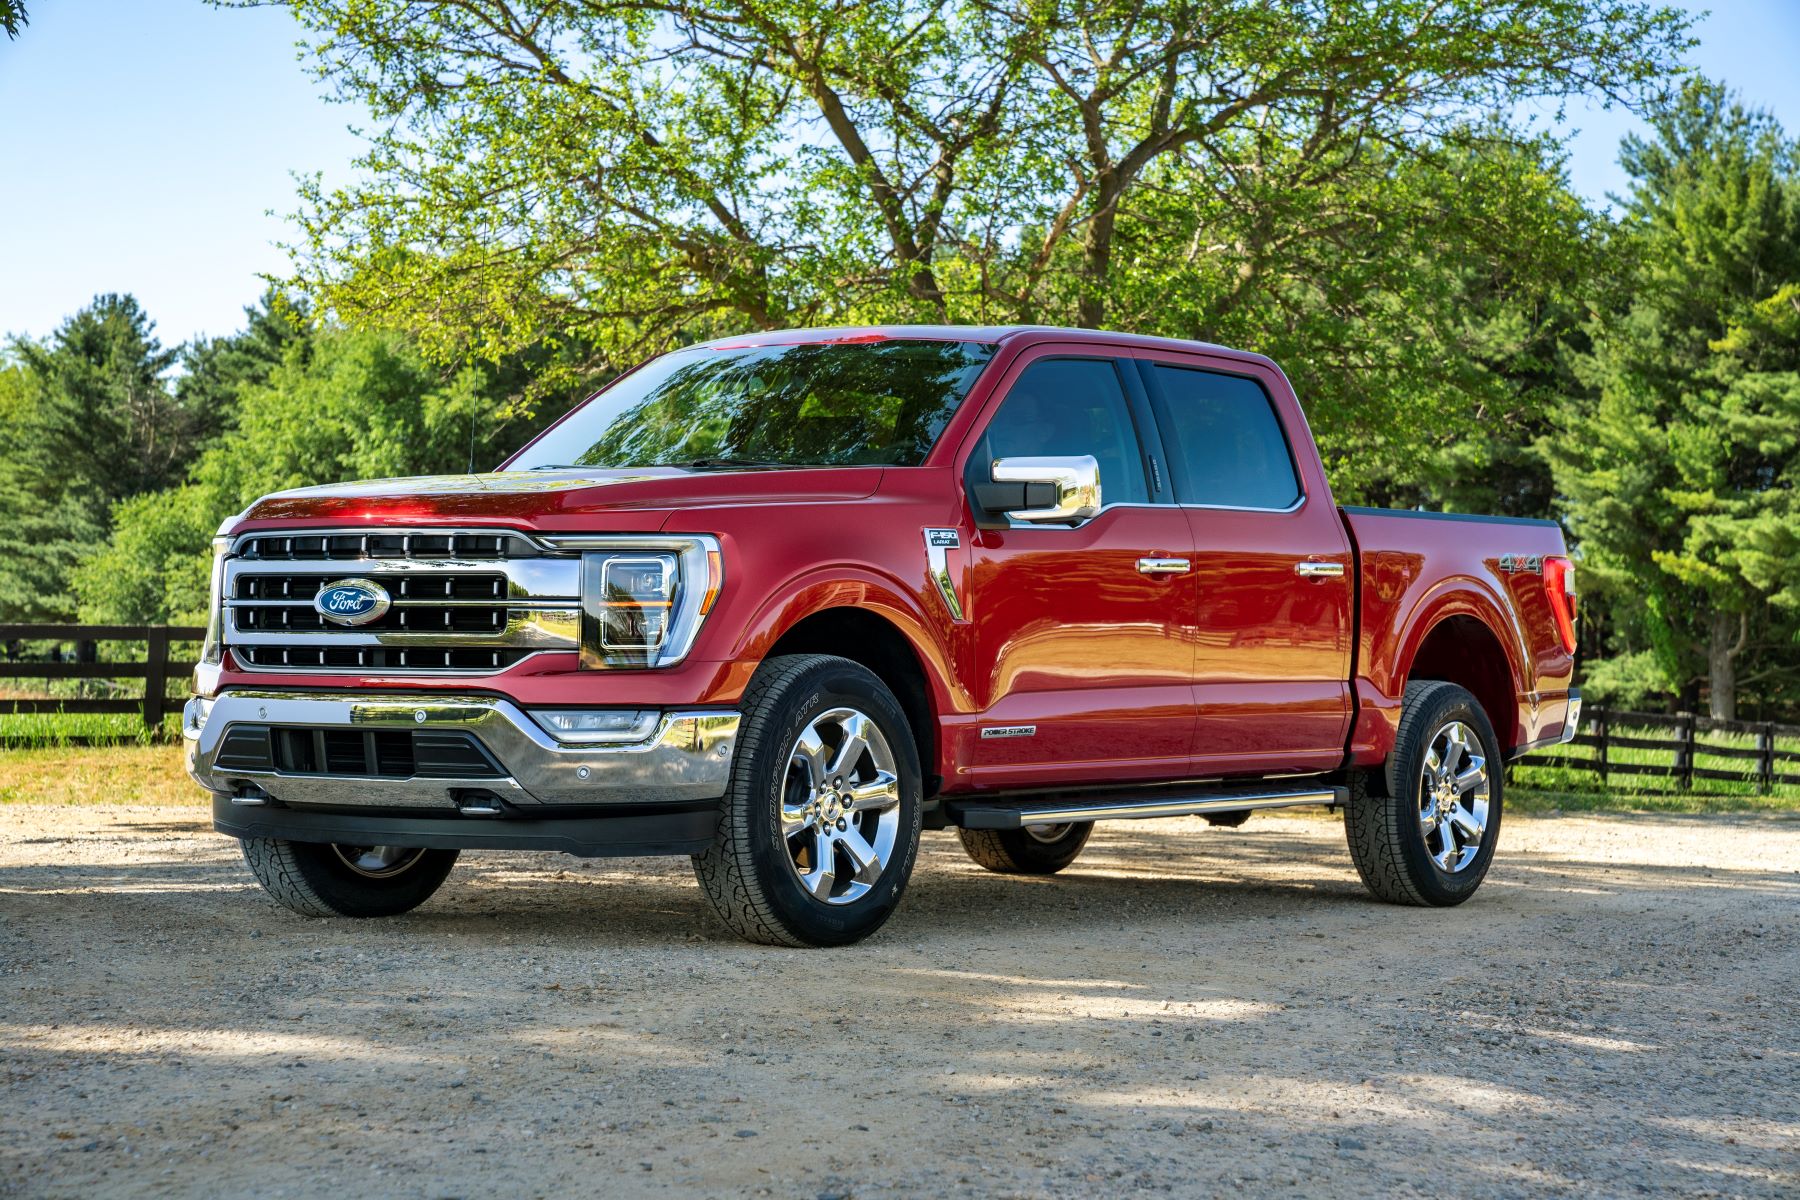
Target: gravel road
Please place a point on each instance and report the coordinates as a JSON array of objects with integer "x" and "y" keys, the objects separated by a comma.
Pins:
[{"x": 1188, "y": 1011}]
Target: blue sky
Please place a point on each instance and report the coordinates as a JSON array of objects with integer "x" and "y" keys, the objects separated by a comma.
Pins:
[{"x": 147, "y": 146}]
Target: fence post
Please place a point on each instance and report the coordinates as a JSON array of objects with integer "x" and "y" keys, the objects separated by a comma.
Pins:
[
  {"x": 1600, "y": 732},
  {"x": 1684, "y": 752},
  {"x": 1765, "y": 762},
  {"x": 156, "y": 679}
]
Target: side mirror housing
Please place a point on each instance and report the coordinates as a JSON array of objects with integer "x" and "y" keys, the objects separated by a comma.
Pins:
[{"x": 1045, "y": 491}]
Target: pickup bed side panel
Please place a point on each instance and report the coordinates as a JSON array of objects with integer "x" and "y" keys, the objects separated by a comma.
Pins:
[{"x": 1417, "y": 570}]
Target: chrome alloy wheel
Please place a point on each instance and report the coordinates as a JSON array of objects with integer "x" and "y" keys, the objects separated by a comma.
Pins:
[
  {"x": 840, "y": 806},
  {"x": 1048, "y": 834},
  {"x": 1453, "y": 797},
  {"x": 378, "y": 862}
]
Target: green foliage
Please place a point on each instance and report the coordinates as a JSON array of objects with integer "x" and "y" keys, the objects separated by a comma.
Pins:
[
  {"x": 1679, "y": 475},
  {"x": 620, "y": 176},
  {"x": 155, "y": 569},
  {"x": 90, "y": 421},
  {"x": 12, "y": 17},
  {"x": 312, "y": 405}
]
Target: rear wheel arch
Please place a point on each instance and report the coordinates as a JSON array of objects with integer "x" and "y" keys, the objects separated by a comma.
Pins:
[{"x": 1463, "y": 649}]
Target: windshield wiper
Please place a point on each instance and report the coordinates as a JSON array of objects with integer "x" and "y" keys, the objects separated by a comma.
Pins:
[{"x": 726, "y": 461}]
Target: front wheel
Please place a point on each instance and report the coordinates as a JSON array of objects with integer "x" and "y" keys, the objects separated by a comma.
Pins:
[
  {"x": 819, "y": 830},
  {"x": 319, "y": 880},
  {"x": 1423, "y": 830}
]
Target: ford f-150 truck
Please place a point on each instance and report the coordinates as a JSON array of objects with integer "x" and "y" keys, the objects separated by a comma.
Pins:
[{"x": 781, "y": 602}]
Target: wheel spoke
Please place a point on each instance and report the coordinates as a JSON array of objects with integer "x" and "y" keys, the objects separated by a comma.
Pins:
[
  {"x": 1451, "y": 851},
  {"x": 809, "y": 751},
  {"x": 1467, "y": 826},
  {"x": 793, "y": 820},
  {"x": 823, "y": 875},
  {"x": 851, "y": 750},
  {"x": 865, "y": 856},
  {"x": 883, "y": 791},
  {"x": 1474, "y": 773}
]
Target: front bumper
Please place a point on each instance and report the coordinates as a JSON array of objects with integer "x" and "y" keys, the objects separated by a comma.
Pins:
[{"x": 687, "y": 759}]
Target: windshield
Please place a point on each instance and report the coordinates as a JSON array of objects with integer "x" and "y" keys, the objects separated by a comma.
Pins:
[{"x": 815, "y": 404}]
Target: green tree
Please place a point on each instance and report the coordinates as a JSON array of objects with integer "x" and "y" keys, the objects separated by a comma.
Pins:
[
  {"x": 339, "y": 404},
  {"x": 12, "y": 17},
  {"x": 90, "y": 422},
  {"x": 104, "y": 421},
  {"x": 628, "y": 174},
  {"x": 1680, "y": 472}
]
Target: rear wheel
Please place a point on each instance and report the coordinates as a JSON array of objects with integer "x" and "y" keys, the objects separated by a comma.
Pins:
[
  {"x": 1423, "y": 830},
  {"x": 319, "y": 880},
  {"x": 820, "y": 828},
  {"x": 1033, "y": 850}
]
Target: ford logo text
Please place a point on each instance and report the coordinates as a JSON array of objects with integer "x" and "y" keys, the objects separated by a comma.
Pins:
[{"x": 352, "y": 601}]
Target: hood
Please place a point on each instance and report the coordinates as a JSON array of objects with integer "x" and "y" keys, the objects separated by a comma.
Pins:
[{"x": 640, "y": 498}]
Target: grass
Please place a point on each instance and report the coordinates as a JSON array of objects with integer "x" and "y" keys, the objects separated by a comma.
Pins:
[
  {"x": 141, "y": 774},
  {"x": 40, "y": 765},
  {"x": 1557, "y": 779},
  {"x": 37, "y": 730}
]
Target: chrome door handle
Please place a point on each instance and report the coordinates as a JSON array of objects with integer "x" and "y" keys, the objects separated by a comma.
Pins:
[
  {"x": 1319, "y": 570},
  {"x": 1164, "y": 566}
]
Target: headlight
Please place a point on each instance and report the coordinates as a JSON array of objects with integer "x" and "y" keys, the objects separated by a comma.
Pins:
[
  {"x": 643, "y": 600},
  {"x": 585, "y": 726}
]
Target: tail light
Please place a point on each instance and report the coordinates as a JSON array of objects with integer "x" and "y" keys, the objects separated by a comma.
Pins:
[{"x": 1559, "y": 586}]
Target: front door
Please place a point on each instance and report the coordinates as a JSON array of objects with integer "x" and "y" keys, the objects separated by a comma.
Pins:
[
  {"x": 1273, "y": 571},
  {"x": 1082, "y": 635}
]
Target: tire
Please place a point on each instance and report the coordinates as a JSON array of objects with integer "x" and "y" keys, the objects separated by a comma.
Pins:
[
  {"x": 319, "y": 880},
  {"x": 838, "y": 874},
  {"x": 1397, "y": 821},
  {"x": 1041, "y": 851}
]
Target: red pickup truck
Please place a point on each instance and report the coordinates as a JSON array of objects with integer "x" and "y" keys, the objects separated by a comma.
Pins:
[{"x": 781, "y": 602}]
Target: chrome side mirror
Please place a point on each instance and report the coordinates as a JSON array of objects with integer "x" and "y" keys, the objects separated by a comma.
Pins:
[{"x": 1045, "y": 490}]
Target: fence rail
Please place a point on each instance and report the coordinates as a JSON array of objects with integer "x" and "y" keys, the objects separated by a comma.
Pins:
[
  {"x": 1764, "y": 761},
  {"x": 155, "y": 668}
]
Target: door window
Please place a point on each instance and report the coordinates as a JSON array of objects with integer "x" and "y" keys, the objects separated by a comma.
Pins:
[
  {"x": 1061, "y": 407},
  {"x": 1225, "y": 442}
]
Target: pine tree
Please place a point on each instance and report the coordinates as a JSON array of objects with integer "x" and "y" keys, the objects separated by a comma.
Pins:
[{"x": 1679, "y": 472}]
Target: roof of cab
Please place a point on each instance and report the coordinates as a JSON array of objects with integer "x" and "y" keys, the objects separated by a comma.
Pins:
[{"x": 997, "y": 334}]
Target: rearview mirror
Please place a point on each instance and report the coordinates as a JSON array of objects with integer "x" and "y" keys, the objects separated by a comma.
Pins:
[{"x": 1043, "y": 490}]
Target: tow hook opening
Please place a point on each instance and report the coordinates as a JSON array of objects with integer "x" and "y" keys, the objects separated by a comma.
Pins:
[
  {"x": 472, "y": 802},
  {"x": 248, "y": 795}
]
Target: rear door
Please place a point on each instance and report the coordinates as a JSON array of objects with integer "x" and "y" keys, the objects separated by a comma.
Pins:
[
  {"x": 1273, "y": 576},
  {"x": 1082, "y": 635}
]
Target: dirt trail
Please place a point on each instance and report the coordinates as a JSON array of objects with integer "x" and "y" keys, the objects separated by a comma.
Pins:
[{"x": 1187, "y": 1011}]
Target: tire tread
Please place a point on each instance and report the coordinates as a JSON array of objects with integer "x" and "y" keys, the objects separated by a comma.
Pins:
[{"x": 1376, "y": 822}]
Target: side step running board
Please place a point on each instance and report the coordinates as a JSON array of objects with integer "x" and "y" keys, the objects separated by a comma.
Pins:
[{"x": 1050, "y": 810}]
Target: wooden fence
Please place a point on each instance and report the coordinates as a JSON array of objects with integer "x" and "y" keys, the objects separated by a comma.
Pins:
[
  {"x": 155, "y": 668},
  {"x": 1765, "y": 764}
]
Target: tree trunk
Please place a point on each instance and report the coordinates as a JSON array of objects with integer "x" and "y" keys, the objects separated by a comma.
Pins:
[
  {"x": 1096, "y": 256},
  {"x": 1729, "y": 632}
]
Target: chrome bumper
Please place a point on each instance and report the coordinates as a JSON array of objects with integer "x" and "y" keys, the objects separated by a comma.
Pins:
[{"x": 687, "y": 758}]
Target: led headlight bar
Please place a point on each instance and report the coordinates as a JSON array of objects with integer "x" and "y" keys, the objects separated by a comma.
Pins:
[{"x": 643, "y": 598}]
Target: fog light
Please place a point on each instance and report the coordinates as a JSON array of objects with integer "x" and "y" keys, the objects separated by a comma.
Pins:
[
  {"x": 194, "y": 715},
  {"x": 586, "y": 726}
]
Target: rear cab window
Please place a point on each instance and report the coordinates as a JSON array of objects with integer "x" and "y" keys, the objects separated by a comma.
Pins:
[{"x": 1225, "y": 442}]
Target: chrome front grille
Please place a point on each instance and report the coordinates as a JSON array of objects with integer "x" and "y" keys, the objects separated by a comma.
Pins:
[
  {"x": 462, "y": 602},
  {"x": 475, "y": 602},
  {"x": 425, "y": 545}
]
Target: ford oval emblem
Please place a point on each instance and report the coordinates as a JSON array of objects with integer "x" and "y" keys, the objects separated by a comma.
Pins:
[{"x": 352, "y": 601}]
